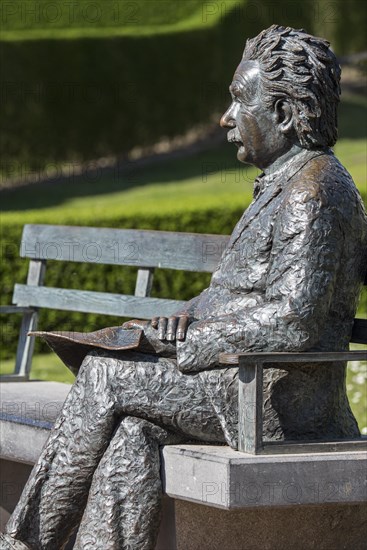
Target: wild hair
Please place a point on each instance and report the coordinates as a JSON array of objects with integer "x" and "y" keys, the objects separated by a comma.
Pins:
[{"x": 302, "y": 69}]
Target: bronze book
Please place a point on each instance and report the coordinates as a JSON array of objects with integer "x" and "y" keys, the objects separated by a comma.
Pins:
[{"x": 72, "y": 347}]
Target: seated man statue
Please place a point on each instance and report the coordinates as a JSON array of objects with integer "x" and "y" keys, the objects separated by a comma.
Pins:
[{"x": 289, "y": 280}]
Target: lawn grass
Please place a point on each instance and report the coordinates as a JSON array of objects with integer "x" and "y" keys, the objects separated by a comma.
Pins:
[
  {"x": 44, "y": 367},
  {"x": 205, "y": 180},
  {"x": 357, "y": 392},
  {"x": 40, "y": 19},
  {"x": 209, "y": 179}
]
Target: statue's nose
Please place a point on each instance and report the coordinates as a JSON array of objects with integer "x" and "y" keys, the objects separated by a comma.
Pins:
[{"x": 227, "y": 120}]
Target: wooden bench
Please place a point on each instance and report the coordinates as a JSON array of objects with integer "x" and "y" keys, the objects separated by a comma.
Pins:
[
  {"x": 147, "y": 250},
  {"x": 24, "y": 432}
]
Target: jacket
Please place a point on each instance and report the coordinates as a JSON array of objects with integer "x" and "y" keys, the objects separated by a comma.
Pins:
[{"x": 289, "y": 280}]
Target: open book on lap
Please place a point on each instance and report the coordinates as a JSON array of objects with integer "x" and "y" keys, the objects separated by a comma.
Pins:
[{"x": 72, "y": 347}]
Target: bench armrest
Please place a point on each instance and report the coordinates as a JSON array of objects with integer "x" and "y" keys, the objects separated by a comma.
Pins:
[
  {"x": 15, "y": 309},
  {"x": 250, "y": 394},
  {"x": 291, "y": 357}
]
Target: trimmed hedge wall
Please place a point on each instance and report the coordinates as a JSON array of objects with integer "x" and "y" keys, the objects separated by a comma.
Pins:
[
  {"x": 79, "y": 99},
  {"x": 94, "y": 14},
  {"x": 82, "y": 99},
  {"x": 91, "y": 98}
]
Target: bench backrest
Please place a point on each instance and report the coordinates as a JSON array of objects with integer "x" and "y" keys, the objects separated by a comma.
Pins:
[{"x": 145, "y": 250}]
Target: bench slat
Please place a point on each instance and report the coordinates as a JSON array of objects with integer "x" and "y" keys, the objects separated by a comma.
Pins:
[
  {"x": 186, "y": 251},
  {"x": 14, "y": 309},
  {"x": 88, "y": 301}
]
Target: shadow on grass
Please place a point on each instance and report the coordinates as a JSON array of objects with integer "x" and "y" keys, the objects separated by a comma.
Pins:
[
  {"x": 53, "y": 193},
  {"x": 221, "y": 158}
]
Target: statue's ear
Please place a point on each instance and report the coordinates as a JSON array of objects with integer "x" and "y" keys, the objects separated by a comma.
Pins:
[{"x": 283, "y": 116}]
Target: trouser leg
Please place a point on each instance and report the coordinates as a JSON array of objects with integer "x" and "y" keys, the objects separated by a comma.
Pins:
[
  {"x": 124, "y": 505},
  {"x": 53, "y": 500},
  {"x": 109, "y": 387}
]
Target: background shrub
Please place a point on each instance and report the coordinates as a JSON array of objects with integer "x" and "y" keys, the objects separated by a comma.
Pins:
[{"x": 78, "y": 96}]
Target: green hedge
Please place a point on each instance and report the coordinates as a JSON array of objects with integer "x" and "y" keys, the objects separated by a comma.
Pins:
[
  {"x": 78, "y": 99},
  {"x": 90, "y": 98},
  {"x": 44, "y": 15}
]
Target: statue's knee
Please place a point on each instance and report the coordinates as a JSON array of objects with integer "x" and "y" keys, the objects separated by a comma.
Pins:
[
  {"x": 89, "y": 363},
  {"x": 141, "y": 429},
  {"x": 93, "y": 369},
  {"x": 133, "y": 425}
]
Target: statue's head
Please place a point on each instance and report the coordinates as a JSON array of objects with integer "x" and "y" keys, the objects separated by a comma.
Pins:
[{"x": 285, "y": 91}]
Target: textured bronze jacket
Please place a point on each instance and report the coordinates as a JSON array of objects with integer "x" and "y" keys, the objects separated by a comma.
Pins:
[{"x": 289, "y": 280}]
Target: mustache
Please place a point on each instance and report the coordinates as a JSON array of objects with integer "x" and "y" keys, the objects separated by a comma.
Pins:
[{"x": 234, "y": 137}]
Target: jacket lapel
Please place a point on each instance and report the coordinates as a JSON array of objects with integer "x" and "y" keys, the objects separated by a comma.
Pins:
[{"x": 272, "y": 189}]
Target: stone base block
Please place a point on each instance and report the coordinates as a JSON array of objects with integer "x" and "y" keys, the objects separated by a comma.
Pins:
[{"x": 326, "y": 527}]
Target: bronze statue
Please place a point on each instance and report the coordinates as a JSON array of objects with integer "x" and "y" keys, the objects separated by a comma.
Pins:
[{"x": 288, "y": 280}]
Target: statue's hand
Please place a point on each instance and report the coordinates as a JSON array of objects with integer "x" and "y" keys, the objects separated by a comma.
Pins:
[
  {"x": 171, "y": 328},
  {"x": 136, "y": 324},
  {"x": 165, "y": 328},
  {"x": 152, "y": 339}
]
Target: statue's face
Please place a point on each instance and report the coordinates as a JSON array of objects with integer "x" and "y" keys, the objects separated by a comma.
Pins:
[{"x": 253, "y": 127}]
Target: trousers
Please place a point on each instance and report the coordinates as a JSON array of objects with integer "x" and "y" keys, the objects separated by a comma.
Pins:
[{"x": 100, "y": 468}]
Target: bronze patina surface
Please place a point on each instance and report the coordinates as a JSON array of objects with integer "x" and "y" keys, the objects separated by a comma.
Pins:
[{"x": 289, "y": 280}]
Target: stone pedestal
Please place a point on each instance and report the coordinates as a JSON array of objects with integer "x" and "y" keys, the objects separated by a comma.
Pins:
[{"x": 322, "y": 527}]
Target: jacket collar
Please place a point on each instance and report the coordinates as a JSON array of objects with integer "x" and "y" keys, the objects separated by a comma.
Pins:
[
  {"x": 267, "y": 186},
  {"x": 287, "y": 170}
]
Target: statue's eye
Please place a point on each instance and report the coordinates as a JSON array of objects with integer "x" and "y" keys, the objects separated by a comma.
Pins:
[
  {"x": 236, "y": 95},
  {"x": 241, "y": 94},
  {"x": 236, "y": 90},
  {"x": 240, "y": 98}
]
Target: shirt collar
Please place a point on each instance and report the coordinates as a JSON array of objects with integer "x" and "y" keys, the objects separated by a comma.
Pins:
[{"x": 290, "y": 168}]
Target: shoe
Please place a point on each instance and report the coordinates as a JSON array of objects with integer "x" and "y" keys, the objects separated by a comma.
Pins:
[{"x": 8, "y": 543}]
